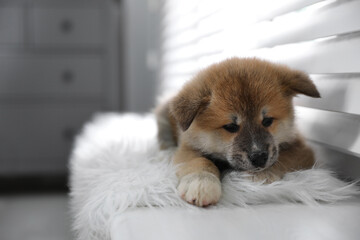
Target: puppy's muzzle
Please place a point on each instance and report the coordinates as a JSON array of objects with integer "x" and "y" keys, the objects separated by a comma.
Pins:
[{"x": 258, "y": 159}]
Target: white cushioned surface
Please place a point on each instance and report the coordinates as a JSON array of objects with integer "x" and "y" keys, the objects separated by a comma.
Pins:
[
  {"x": 271, "y": 222},
  {"x": 116, "y": 167}
]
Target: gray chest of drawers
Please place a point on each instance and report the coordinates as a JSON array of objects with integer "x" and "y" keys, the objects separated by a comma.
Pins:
[{"x": 58, "y": 65}]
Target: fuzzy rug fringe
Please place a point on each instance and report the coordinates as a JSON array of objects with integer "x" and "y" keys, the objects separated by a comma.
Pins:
[{"x": 116, "y": 165}]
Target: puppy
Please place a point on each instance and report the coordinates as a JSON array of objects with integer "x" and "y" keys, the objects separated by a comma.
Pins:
[{"x": 237, "y": 114}]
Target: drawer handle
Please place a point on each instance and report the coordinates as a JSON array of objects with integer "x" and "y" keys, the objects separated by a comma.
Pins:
[
  {"x": 68, "y": 134},
  {"x": 68, "y": 76},
  {"x": 66, "y": 26}
]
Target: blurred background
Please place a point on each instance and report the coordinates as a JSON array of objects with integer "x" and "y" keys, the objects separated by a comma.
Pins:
[{"x": 62, "y": 61}]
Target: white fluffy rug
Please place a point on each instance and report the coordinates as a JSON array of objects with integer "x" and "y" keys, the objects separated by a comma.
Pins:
[{"x": 115, "y": 165}]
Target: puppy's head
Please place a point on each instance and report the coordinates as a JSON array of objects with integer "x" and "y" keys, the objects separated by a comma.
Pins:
[{"x": 240, "y": 111}]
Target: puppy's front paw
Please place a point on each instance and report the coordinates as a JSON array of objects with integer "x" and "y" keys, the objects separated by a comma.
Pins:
[
  {"x": 201, "y": 189},
  {"x": 266, "y": 176}
]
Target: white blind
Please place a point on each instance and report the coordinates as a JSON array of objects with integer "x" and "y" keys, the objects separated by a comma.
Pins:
[{"x": 321, "y": 38}]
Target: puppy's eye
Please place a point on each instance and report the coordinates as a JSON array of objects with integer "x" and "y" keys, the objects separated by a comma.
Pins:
[
  {"x": 232, "y": 127},
  {"x": 267, "y": 121}
]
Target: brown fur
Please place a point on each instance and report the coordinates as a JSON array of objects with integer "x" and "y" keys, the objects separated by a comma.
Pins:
[{"x": 242, "y": 92}]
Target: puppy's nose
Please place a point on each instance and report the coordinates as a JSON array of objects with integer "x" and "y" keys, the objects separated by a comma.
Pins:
[{"x": 258, "y": 159}]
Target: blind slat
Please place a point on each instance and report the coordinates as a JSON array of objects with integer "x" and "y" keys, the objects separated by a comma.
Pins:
[
  {"x": 337, "y": 18},
  {"x": 280, "y": 7},
  {"x": 339, "y": 93},
  {"x": 332, "y": 55},
  {"x": 175, "y": 10},
  {"x": 204, "y": 46},
  {"x": 194, "y": 32},
  {"x": 341, "y": 131},
  {"x": 180, "y": 25},
  {"x": 259, "y": 10},
  {"x": 184, "y": 38}
]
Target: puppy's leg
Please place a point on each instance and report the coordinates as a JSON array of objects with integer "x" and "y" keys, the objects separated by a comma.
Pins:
[
  {"x": 199, "y": 178},
  {"x": 268, "y": 175}
]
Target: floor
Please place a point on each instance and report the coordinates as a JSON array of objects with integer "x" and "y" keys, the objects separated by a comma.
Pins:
[{"x": 34, "y": 217}]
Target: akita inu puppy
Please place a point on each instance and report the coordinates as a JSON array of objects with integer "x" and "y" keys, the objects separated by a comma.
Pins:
[{"x": 237, "y": 114}]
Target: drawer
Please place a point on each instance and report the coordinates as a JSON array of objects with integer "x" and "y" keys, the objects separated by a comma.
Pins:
[
  {"x": 57, "y": 76},
  {"x": 11, "y": 25},
  {"x": 78, "y": 27},
  {"x": 38, "y": 138}
]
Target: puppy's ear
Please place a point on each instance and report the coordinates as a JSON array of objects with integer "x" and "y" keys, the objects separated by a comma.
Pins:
[
  {"x": 300, "y": 83},
  {"x": 190, "y": 101}
]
